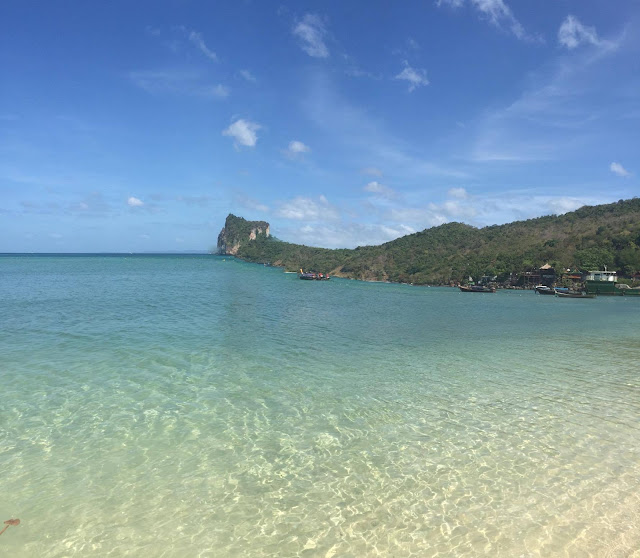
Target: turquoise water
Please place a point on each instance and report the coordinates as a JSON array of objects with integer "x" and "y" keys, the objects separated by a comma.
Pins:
[{"x": 183, "y": 406}]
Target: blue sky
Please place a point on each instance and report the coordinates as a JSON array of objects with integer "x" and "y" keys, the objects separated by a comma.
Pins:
[{"x": 138, "y": 126}]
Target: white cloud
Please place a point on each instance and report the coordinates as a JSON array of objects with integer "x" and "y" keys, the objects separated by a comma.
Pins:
[
  {"x": 243, "y": 132},
  {"x": 488, "y": 209},
  {"x": 92, "y": 204},
  {"x": 412, "y": 44},
  {"x": 380, "y": 189},
  {"x": 153, "y": 31},
  {"x": 160, "y": 81},
  {"x": 572, "y": 33},
  {"x": 372, "y": 171},
  {"x": 135, "y": 202},
  {"x": 307, "y": 209},
  {"x": 452, "y": 3},
  {"x": 311, "y": 32},
  {"x": 246, "y": 74},
  {"x": 496, "y": 12},
  {"x": 559, "y": 206},
  {"x": 617, "y": 168},
  {"x": 177, "y": 83},
  {"x": 415, "y": 76},
  {"x": 455, "y": 209},
  {"x": 459, "y": 193},
  {"x": 251, "y": 203},
  {"x": 562, "y": 110},
  {"x": 296, "y": 147},
  {"x": 374, "y": 186},
  {"x": 345, "y": 235},
  {"x": 220, "y": 91},
  {"x": 365, "y": 137},
  {"x": 500, "y": 15},
  {"x": 198, "y": 41},
  {"x": 418, "y": 218}
]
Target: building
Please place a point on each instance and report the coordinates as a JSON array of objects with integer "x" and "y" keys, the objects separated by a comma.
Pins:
[{"x": 545, "y": 275}]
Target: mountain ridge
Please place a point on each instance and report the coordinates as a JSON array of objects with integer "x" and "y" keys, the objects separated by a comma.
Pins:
[{"x": 590, "y": 237}]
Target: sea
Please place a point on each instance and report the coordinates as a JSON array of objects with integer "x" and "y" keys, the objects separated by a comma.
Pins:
[{"x": 200, "y": 406}]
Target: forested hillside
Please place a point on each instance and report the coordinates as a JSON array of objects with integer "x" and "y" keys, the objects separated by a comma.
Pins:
[{"x": 589, "y": 238}]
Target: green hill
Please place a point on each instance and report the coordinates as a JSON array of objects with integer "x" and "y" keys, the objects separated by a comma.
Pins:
[{"x": 589, "y": 238}]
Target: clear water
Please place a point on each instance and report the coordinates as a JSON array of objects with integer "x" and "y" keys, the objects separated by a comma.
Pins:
[{"x": 179, "y": 406}]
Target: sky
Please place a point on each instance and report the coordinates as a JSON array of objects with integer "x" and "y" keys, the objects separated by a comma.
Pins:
[{"x": 139, "y": 126}]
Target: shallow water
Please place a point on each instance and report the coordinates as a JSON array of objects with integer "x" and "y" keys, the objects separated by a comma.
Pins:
[{"x": 199, "y": 406}]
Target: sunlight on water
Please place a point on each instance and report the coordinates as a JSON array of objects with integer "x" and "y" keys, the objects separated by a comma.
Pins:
[{"x": 199, "y": 406}]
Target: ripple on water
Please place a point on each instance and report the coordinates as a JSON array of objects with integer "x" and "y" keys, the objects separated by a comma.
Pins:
[{"x": 254, "y": 415}]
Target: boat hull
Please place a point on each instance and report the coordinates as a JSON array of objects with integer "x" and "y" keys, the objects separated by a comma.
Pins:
[
  {"x": 543, "y": 290},
  {"x": 609, "y": 288},
  {"x": 574, "y": 295},
  {"x": 313, "y": 276},
  {"x": 476, "y": 289}
]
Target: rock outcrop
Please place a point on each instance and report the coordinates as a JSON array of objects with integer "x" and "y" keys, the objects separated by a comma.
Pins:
[{"x": 238, "y": 231}]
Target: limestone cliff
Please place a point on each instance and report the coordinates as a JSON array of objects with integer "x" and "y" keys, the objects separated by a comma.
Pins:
[{"x": 238, "y": 231}]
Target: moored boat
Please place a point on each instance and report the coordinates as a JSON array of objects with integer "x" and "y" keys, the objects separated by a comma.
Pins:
[
  {"x": 476, "y": 289},
  {"x": 313, "y": 276},
  {"x": 573, "y": 294},
  {"x": 544, "y": 290},
  {"x": 605, "y": 283}
]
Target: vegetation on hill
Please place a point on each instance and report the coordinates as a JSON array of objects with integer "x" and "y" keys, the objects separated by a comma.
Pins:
[
  {"x": 589, "y": 238},
  {"x": 238, "y": 231}
]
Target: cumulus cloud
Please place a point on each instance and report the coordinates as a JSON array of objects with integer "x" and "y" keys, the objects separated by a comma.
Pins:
[
  {"x": 345, "y": 235},
  {"x": 417, "y": 218},
  {"x": 246, "y": 74},
  {"x": 308, "y": 209},
  {"x": 415, "y": 76},
  {"x": 311, "y": 32},
  {"x": 572, "y": 33},
  {"x": 454, "y": 209},
  {"x": 559, "y": 206},
  {"x": 379, "y": 189},
  {"x": 135, "y": 202},
  {"x": 243, "y": 132},
  {"x": 480, "y": 211},
  {"x": 198, "y": 41},
  {"x": 297, "y": 147},
  {"x": 617, "y": 168},
  {"x": 459, "y": 193},
  {"x": 220, "y": 91}
]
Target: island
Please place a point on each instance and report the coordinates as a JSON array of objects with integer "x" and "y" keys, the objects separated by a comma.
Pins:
[{"x": 590, "y": 238}]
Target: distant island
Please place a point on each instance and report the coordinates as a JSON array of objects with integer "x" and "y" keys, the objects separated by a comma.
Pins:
[{"x": 589, "y": 238}]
